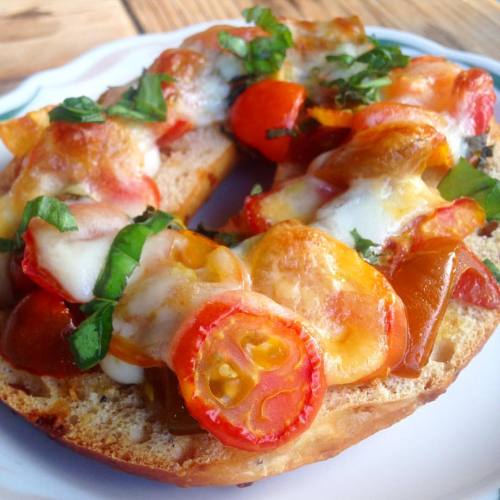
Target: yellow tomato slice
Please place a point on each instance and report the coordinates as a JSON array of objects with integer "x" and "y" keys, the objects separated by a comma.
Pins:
[
  {"x": 179, "y": 271},
  {"x": 360, "y": 321}
]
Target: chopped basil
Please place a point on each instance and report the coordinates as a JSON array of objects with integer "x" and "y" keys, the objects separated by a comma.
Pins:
[
  {"x": 493, "y": 268},
  {"x": 256, "y": 189},
  {"x": 273, "y": 133},
  {"x": 264, "y": 54},
  {"x": 365, "y": 247},
  {"x": 51, "y": 210},
  {"x": 79, "y": 110},
  {"x": 144, "y": 103},
  {"x": 90, "y": 341},
  {"x": 363, "y": 86},
  {"x": 465, "y": 180}
]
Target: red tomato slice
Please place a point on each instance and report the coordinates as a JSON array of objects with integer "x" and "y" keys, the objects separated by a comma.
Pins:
[
  {"x": 35, "y": 337},
  {"x": 250, "y": 374},
  {"x": 174, "y": 132},
  {"x": 391, "y": 112},
  {"x": 266, "y": 105},
  {"x": 474, "y": 100},
  {"x": 298, "y": 198},
  {"x": 475, "y": 285},
  {"x": 424, "y": 281},
  {"x": 456, "y": 220},
  {"x": 20, "y": 281}
]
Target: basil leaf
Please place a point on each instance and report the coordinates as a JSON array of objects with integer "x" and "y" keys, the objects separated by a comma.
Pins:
[
  {"x": 363, "y": 86},
  {"x": 364, "y": 247},
  {"x": 144, "y": 103},
  {"x": 493, "y": 268},
  {"x": 51, "y": 210},
  {"x": 125, "y": 253},
  {"x": 90, "y": 341},
  {"x": 262, "y": 55},
  {"x": 79, "y": 110},
  {"x": 465, "y": 180},
  {"x": 234, "y": 44}
]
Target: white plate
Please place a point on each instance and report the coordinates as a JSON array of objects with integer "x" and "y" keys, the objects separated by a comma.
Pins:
[{"x": 448, "y": 449}]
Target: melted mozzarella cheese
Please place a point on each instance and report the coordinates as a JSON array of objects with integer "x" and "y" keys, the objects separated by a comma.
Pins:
[
  {"x": 456, "y": 139},
  {"x": 59, "y": 255},
  {"x": 75, "y": 259},
  {"x": 121, "y": 372},
  {"x": 203, "y": 100},
  {"x": 145, "y": 140},
  {"x": 377, "y": 208}
]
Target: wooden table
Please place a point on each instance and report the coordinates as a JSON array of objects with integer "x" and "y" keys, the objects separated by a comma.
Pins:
[{"x": 36, "y": 34}]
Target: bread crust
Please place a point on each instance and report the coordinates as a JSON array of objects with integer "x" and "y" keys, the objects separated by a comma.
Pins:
[{"x": 113, "y": 423}]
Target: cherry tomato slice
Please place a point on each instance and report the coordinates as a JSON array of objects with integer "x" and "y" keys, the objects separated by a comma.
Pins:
[
  {"x": 360, "y": 321},
  {"x": 389, "y": 149},
  {"x": 36, "y": 336},
  {"x": 267, "y": 105},
  {"x": 456, "y": 220},
  {"x": 475, "y": 285},
  {"x": 474, "y": 100},
  {"x": 20, "y": 281},
  {"x": 298, "y": 198},
  {"x": 424, "y": 280},
  {"x": 249, "y": 372}
]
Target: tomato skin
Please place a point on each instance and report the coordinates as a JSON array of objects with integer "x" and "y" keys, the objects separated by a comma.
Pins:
[
  {"x": 20, "y": 281},
  {"x": 475, "y": 285},
  {"x": 36, "y": 273},
  {"x": 474, "y": 99},
  {"x": 424, "y": 280},
  {"x": 176, "y": 131},
  {"x": 127, "y": 351},
  {"x": 228, "y": 423},
  {"x": 35, "y": 337},
  {"x": 456, "y": 220},
  {"x": 269, "y": 104}
]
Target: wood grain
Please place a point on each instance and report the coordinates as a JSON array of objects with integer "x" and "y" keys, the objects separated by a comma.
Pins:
[
  {"x": 36, "y": 34},
  {"x": 472, "y": 25}
]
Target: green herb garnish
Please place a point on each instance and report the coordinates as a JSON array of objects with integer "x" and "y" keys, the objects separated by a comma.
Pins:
[
  {"x": 465, "y": 180},
  {"x": 365, "y": 247},
  {"x": 79, "y": 110},
  {"x": 51, "y": 210},
  {"x": 264, "y": 54},
  {"x": 363, "y": 86},
  {"x": 90, "y": 341},
  {"x": 144, "y": 103},
  {"x": 493, "y": 268}
]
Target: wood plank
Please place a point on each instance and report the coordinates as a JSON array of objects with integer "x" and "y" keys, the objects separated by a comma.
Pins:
[
  {"x": 35, "y": 34},
  {"x": 472, "y": 25}
]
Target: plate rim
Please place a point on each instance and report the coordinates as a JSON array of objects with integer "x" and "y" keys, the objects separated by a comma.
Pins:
[{"x": 16, "y": 100}]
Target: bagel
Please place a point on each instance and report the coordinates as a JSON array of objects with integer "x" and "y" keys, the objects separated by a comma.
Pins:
[{"x": 119, "y": 423}]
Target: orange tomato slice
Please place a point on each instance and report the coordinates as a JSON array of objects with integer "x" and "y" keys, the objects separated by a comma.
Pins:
[
  {"x": 359, "y": 320},
  {"x": 392, "y": 150}
]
